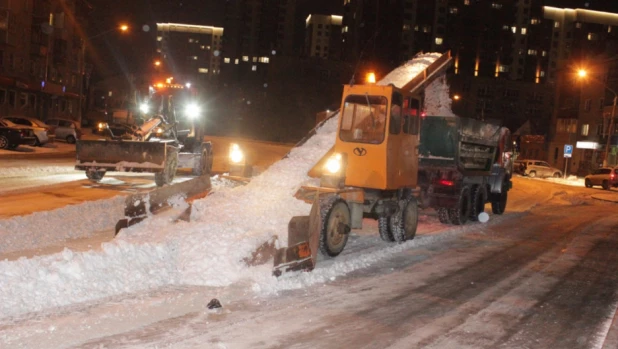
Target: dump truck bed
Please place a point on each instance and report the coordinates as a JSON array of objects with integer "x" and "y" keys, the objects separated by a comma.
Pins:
[
  {"x": 468, "y": 145},
  {"x": 125, "y": 156}
]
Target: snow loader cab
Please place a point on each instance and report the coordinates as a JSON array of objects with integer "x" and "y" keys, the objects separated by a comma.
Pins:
[
  {"x": 370, "y": 171},
  {"x": 170, "y": 138}
]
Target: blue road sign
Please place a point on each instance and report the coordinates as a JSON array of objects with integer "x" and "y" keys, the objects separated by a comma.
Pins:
[{"x": 568, "y": 150}]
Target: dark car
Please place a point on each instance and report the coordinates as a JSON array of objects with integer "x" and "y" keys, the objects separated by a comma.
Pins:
[{"x": 13, "y": 136}]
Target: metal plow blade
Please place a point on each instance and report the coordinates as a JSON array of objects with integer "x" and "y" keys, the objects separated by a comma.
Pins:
[
  {"x": 121, "y": 155},
  {"x": 303, "y": 243}
]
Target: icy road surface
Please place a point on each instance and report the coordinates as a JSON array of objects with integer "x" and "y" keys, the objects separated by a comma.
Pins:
[{"x": 540, "y": 276}]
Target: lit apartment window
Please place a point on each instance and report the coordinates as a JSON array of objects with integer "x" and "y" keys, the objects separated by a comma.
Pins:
[
  {"x": 592, "y": 36},
  {"x": 453, "y": 10},
  {"x": 534, "y": 21},
  {"x": 466, "y": 2},
  {"x": 542, "y": 73},
  {"x": 556, "y": 24},
  {"x": 191, "y": 40},
  {"x": 426, "y": 29},
  {"x": 203, "y": 47},
  {"x": 524, "y": 31},
  {"x": 236, "y": 61},
  {"x": 245, "y": 58},
  {"x": 532, "y": 52},
  {"x": 439, "y": 41},
  {"x": 506, "y": 27},
  {"x": 344, "y": 29},
  {"x": 585, "y": 129},
  {"x": 254, "y": 67},
  {"x": 578, "y": 25},
  {"x": 609, "y": 29},
  {"x": 514, "y": 30},
  {"x": 226, "y": 60},
  {"x": 264, "y": 60},
  {"x": 416, "y": 28},
  {"x": 503, "y": 68},
  {"x": 195, "y": 58},
  {"x": 544, "y": 53},
  {"x": 496, "y": 5},
  {"x": 202, "y": 70},
  {"x": 406, "y": 27}
]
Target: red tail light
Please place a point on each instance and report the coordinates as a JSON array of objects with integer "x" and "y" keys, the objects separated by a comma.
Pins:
[{"x": 446, "y": 182}]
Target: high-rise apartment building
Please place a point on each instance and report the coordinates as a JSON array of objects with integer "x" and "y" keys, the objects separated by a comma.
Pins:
[
  {"x": 255, "y": 31},
  {"x": 190, "y": 51},
  {"x": 323, "y": 36}
]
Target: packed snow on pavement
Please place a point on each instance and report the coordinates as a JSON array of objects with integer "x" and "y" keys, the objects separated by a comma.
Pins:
[{"x": 225, "y": 227}]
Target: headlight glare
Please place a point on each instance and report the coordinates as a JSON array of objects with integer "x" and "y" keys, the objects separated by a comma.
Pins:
[
  {"x": 236, "y": 155},
  {"x": 333, "y": 164},
  {"x": 144, "y": 108},
  {"x": 193, "y": 111}
]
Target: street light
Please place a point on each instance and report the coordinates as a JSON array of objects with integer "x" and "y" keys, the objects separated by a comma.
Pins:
[
  {"x": 582, "y": 74},
  {"x": 82, "y": 68}
]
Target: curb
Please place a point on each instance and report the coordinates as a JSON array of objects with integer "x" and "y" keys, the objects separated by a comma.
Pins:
[
  {"x": 34, "y": 155},
  {"x": 606, "y": 198}
]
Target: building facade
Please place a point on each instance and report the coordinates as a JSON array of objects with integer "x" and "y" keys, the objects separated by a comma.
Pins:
[
  {"x": 323, "y": 36},
  {"x": 40, "y": 58},
  {"x": 192, "y": 52}
]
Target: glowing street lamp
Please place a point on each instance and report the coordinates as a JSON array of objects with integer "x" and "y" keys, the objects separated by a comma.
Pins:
[{"x": 610, "y": 131}]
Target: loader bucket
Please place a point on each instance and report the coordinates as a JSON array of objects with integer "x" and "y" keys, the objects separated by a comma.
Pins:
[
  {"x": 303, "y": 243},
  {"x": 133, "y": 156}
]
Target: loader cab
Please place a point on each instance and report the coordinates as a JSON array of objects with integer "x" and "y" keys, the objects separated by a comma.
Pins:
[{"x": 378, "y": 136}]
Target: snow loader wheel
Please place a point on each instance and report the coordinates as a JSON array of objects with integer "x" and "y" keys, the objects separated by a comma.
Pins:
[
  {"x": 167, "y": 175},
  {"x": 498, "y": 201},
  {"x": 460, "y": 213},
  {"x": 335, "y": 225},
  {"x": 384, "y": 227},
  {"x": 405, "y": 221},
  {"x": 443, "y": 215},
  {"x": 479, "y": 199},
  {"x": 94, "y": 175}
]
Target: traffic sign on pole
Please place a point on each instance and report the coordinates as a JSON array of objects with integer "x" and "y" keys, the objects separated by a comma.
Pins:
[{"x": 568, "y": 150}]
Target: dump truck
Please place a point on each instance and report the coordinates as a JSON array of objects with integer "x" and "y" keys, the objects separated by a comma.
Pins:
[
  {"x": 170, "y": 138},
  {"x": 381, "y": 166}
]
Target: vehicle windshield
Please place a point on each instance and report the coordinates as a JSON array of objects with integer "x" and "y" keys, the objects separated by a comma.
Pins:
[{"x": 363, "y": 119}]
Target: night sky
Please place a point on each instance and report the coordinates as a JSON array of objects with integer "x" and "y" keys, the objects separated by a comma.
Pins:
[{"x": 116, "y": 53}]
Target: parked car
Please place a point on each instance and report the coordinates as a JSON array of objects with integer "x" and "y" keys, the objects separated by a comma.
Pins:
[
  {"x": 606, "y": 177},
  {"x": 41, "y": 130},
  {"x": 12, "y": 135},
  {"x": 65, "y": 129},
  {"x": 536, "y": 168}
]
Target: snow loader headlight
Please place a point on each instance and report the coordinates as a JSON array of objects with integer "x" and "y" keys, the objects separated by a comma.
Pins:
[
  {"x": 144, "y": 108},
  {"x": 102, "y": 126},
  {"x": 193, "y": 111},
  {"x": 236, "y": 154},
  {"x": 334, "y": 171},
  {"x": 333, "y": 164}
]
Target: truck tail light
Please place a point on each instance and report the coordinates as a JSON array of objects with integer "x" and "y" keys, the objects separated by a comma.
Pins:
[{"x": 446, "y": 182}]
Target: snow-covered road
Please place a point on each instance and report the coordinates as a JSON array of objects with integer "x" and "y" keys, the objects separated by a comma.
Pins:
[{"x": 541, "y": 276}]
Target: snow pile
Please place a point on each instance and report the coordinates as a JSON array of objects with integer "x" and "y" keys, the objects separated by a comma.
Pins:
[
  {"x": 225, "y": 228},
  {"x": 50, "y": 227}
]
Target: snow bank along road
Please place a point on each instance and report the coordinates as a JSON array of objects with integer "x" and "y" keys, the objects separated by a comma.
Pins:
[{"x": 541, "y": 276}]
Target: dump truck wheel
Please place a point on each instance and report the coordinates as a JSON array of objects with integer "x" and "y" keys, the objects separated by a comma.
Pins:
[
  {"x": 94, "y": 175},
  {"x": 384, "y": 227},
  {"x": 443, "y": 215},
  {"x": 335, "y": 225},
  {"x": 478, "y": 202},
  {"x": 167, "y": 175},
  {"x": 459, "y": 214},
  {"x": 405, "y": 221},
  {"x": 498, "y": 202}
]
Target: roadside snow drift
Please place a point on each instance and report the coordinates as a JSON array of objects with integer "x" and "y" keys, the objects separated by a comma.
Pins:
[{"x": 225, "y": 227}]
